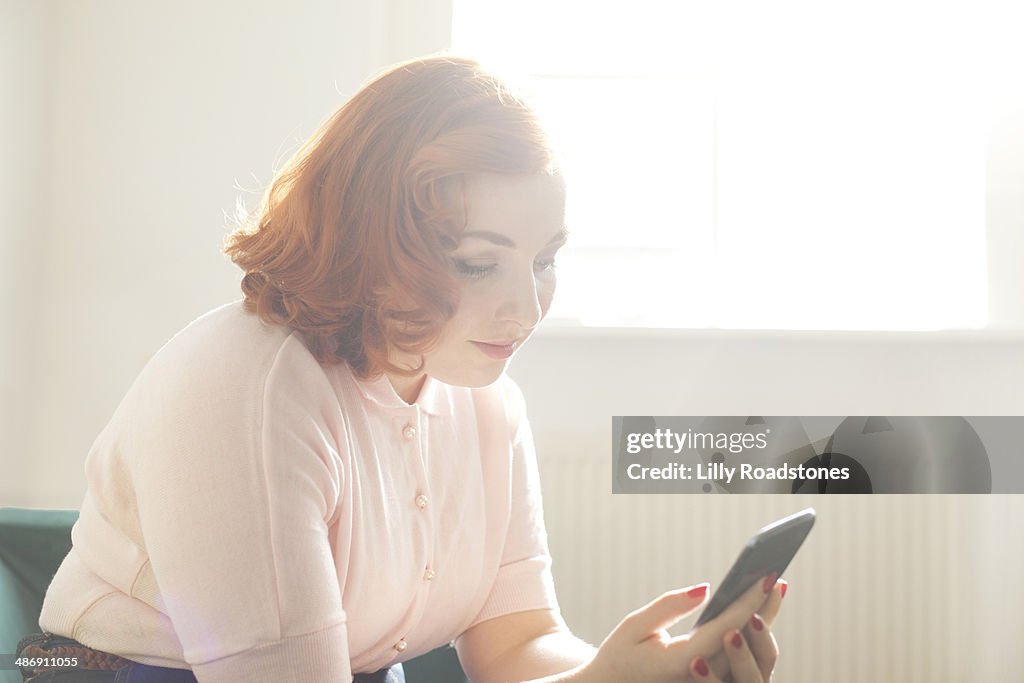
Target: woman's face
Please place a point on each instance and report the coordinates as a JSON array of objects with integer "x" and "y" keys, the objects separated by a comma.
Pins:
[{"x": 505, "y": 261}]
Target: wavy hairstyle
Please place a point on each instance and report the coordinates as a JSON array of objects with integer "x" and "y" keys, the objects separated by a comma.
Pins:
[{"x": 350, "y": 244}]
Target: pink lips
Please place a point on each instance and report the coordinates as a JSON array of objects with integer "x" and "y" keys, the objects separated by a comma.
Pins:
[{"x": 497, "y": 350}]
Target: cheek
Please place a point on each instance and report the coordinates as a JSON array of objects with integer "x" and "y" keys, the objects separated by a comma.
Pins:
[{"x": 471, "y": 309}]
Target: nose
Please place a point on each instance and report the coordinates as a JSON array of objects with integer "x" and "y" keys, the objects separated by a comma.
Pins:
[{"x": 522, "y": 301}]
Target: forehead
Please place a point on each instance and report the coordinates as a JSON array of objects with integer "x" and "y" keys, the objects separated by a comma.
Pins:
[{"x": 528, "y": 209}]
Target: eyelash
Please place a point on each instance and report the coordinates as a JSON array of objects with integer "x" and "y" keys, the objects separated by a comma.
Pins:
[
  {"x": 479, "y": 272},
  {"x": 473, "y": 272}
]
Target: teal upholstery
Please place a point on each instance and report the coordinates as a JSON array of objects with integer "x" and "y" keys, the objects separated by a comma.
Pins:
[
  {"x": 439, "y": 666},
  {"x": 32, "y": 545}
]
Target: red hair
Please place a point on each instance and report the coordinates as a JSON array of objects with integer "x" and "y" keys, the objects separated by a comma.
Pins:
[{"x": 350, "y": 244}]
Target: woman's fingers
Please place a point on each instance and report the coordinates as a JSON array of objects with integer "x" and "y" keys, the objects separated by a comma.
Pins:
[
  {"x": 640, "y": 645},
  {"x": 707, "y": 638},
  {"x": 770, "y": 609},
  {"x": 742, "y": 666},
  {"x": 662, "y": 612},
  {"x": 700, "y": 671},
  {"x": 719, "y": 664},
  {"x": 758, "y": 631},
  {"x": 762, "y": 645}
]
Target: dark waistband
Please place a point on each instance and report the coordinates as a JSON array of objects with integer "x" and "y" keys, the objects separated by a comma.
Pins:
[{"x": 57, "y": 652}]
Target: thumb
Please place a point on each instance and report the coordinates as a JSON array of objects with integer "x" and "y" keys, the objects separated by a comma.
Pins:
[{"x": 664, "y": 611}]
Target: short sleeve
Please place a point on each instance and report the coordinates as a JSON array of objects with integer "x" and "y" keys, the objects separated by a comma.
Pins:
[
  {"x": 524, "y": 580},
  {"x": 235, "y": 484}
]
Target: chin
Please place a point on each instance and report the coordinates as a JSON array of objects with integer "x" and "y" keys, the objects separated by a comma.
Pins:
[{"x": 475, "y": 380}]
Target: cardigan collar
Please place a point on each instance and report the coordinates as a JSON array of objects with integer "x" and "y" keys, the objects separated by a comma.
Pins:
[{"x": 434, "y": 398}]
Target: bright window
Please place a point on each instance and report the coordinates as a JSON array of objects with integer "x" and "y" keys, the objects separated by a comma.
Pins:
[{"x": 762, "y": 165}]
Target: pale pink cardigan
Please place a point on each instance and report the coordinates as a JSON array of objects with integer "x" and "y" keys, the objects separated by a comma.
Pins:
[{"x": 255, "y": 516}]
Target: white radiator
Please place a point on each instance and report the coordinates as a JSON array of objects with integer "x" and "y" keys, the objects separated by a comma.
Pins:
[{"x": 926, "y": 588}]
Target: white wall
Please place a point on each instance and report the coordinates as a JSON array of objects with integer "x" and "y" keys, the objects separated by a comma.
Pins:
[{"x": 26, "y": 123}]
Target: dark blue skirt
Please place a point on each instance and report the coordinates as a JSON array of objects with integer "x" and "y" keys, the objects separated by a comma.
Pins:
[{"x": 125, "y": 671}]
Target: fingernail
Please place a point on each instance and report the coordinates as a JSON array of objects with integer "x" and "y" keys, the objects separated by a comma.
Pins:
[
  {"x": 769, "y": 581},
  {"x": 783, "y": 585},
  {"x": 736, "y": 640},
  {"x": 756, "y": 622},
  {"x": 698, "y": 591},
  {"x": 701, "y": 667}
]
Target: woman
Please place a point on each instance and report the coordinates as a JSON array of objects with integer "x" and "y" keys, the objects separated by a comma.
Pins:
[{"x": 335, "y": 475}]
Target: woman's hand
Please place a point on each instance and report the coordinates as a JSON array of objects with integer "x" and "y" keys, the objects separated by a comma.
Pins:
[
  {"x": 756, "y": 637},
  {"x": 640, "y": 649}
]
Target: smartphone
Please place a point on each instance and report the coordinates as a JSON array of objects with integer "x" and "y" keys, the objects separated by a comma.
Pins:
[{"x": 769, "y": 551}]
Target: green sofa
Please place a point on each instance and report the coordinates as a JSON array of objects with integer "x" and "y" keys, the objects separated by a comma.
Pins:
[{"x": 32, "y": 545}]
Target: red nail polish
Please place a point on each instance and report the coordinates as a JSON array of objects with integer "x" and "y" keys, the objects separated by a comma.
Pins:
[
  {"x": 736, "y": 640},
  {"x": 701, "y": 666},
  {"x": 783, "y": 586},
  {"x": 698, "y": 592},
  {"x": 756, "y": 622},
  {"x": 769, "y": 581}
]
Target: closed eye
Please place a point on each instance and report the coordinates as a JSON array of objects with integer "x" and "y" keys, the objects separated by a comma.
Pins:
[{"x": 473, "y": 272}]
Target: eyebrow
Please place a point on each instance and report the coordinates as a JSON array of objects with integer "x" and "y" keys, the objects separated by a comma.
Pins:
[{"x": 499, "y": 239}]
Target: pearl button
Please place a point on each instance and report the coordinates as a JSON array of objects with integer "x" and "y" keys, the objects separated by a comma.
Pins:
[
  {"x": 401, "y": 645},
  {"x": 409, "y": 432},
  {"x": 421, "y": 501},
  {"x": 429, "y": 574}
]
